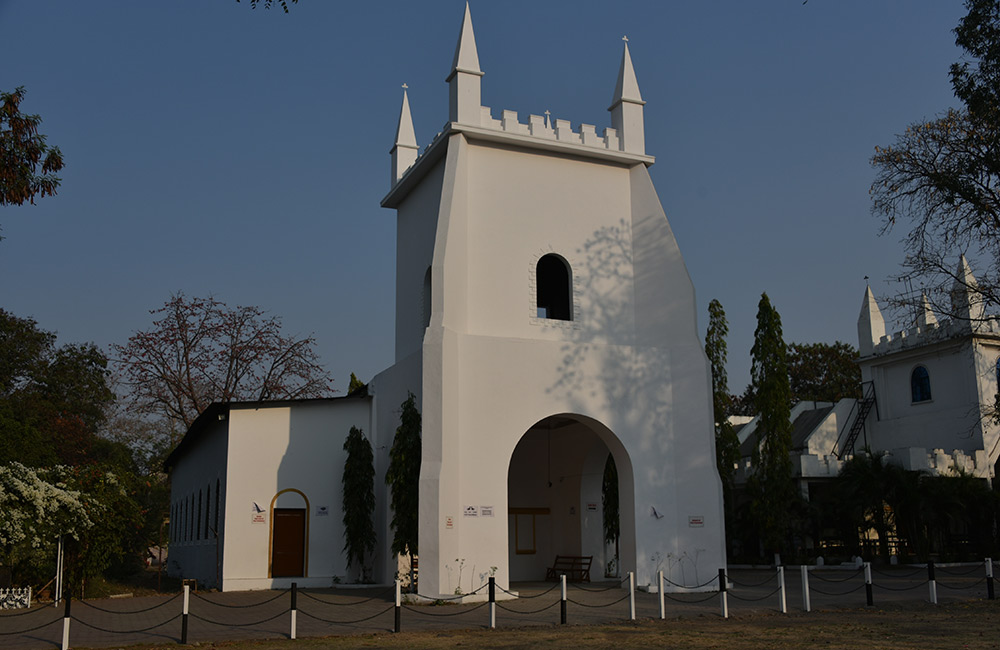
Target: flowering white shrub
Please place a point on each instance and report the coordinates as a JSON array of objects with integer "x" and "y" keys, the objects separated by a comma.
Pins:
[{"x": 35, "y": 508}]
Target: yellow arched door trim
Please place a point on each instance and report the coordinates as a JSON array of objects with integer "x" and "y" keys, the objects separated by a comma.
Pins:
[{"x": 270, "y": 531}]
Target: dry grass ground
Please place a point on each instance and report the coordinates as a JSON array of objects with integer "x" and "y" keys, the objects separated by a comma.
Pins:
[{"x": 971, "y": 624}]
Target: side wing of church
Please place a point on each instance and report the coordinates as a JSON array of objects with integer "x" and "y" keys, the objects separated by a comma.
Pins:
[{"x": 546, "y": 323}]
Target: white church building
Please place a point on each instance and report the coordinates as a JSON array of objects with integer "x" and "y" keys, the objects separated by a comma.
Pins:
[
  {"x": 928, "y": 395},
  {"x": 544, "y": 320}
]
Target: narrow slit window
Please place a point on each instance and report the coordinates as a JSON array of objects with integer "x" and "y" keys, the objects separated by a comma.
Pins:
[{"x": 554, "y": 286}]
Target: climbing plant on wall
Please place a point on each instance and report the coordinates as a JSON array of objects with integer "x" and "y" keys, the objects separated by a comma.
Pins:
[
  {"x": 403, "y": 479},
  {"x": 609, "y": 502}
]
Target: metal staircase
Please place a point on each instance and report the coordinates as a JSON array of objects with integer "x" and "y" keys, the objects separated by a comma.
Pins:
[{"x": 860, "y": 412}]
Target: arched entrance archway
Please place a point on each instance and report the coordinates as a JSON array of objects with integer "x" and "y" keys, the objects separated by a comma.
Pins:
[{"x": 554, "y": 484}]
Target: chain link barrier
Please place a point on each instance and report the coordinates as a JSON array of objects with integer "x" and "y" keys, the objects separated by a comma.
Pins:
[
  {"x": 511, "y": 593},
  {"x": 263, "y": 602},
  {"x": 420, "y": 610},
  {"x": 533, "y": 611},
  {"x": 595, "y": 591},
  {"x": 972, "y": 586},
  {"x": 911, "y": 587},
  {"x": 378, "y": 596},
  {"x": 748, "y": 599},
  {"x": 145, "y": 629},
  {"x": 752, "y": 584},
  {"x": 261, "y": 622},
  {"x": 576, "y": 602},
  {"x": 835, "y": 593},
  {"x": 131, "y": 611},
  {"x": 360, "y": 620},
  {"x": 813, "y": 574},
  {"x": 944, "y": 570},
  {"x": 714, "y": 580},
  {"x": 712, "y": 595},
  {"x": 31, "y": 629},
  {"x": 894, "y": 574}
]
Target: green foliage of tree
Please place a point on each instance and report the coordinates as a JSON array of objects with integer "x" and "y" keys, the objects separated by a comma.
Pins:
[
  {"x": 28, "y": 166},
  {"x": 770, "y": 485},
  {"x": 53, "y": 399},
  {"x": 874, "y": 502},
  {"x": 823, "y": 372},
  {"x": 403, "y": 479},
  {"x": 355, "y": 385},
  {"x": 610, "y": 505},
  {"x": 267, "y": 3},
  {"x": 359, "y": 499},
  {"x": 727, "y": 444},
  {"x": 943, "y": 176}
]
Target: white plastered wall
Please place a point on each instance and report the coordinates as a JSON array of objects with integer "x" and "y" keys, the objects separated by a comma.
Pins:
[
  {"x": 294, "y": 447},
  {"x": 631, "y": 360}
]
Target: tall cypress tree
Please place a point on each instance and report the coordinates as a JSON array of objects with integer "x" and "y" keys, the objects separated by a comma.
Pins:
[
  {"x": 727, "y": 444},
  {"x": 771, "y": 487},
  {"x": 403, "y": 479},
  {"x": 359, "y": 499}
]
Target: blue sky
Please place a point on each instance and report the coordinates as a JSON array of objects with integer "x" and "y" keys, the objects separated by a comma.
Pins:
[{"x": 215, "y": 149}]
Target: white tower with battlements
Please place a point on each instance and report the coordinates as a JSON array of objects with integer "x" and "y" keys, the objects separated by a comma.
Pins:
[{"x": 545, "y": 321}]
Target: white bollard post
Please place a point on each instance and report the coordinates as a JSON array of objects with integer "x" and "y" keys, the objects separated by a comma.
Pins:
[
  {"x": 806, "y": 605},
  {"x": 631, "y": 595},
  {"x": 723, "y": 596},
  {"x": 781, "y": 590},
  {"x": 659, "y": 583},
  {"x": 932, "y": 583}
]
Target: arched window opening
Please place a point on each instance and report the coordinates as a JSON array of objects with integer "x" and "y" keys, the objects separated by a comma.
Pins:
[
  {"x": 554, "y": 284},
  {"x": 920, "y": 385}
]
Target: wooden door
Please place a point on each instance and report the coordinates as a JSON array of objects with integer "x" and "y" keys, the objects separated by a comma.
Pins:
[{"x": 288, "y": 543}]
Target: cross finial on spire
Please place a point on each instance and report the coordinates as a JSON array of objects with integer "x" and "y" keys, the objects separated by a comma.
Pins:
[
  {"x": 547, "y": 113},
  {"x": 405, "y": 86},
  {"x": 625, "y": 38}
]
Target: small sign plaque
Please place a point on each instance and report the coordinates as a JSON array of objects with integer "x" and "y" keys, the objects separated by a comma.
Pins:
[
  {"x": 485, "y": 511},
  {"x": 322, "y": 511},
  {"x": 471, "y": 511},
  {"x": 696, "y": 521},
  {"x": 449, "y": 522},
  {"x": 591, "y": 507}
]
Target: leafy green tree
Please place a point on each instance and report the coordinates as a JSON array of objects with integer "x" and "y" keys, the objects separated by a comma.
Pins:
[
  {"x": 267, "y": 3},
  {"x": 770, "y": 485},
  {"x": 355, "y": 385},
  {"x": 53, "y": 399},
  {"x": 727, "y": 444},
  {"x": 610, "y": 507},
  {"x": 358, "y": 499},
  {"x": 943, "y": 176},
  {"x": 28, "y": 166},
  {"x": 403, "y": 479},
  {"x": 823, "y": 372}
]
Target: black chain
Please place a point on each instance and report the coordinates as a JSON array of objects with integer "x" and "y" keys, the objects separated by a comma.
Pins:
[
  {"x": 31, "y": 629},
  {"x": 841, "y": 593},
  {"x": 850, "y": 577},
  {"x": 691, "y": 602},
  {"x": 972, "y": 586},
  {"x": 131, "y": 611},
  {"x": 25, "y": 612},
  {"x": 704, "y": 584},
  {"x": 377, "y": 596},
  {"x": 145, "y": 629},
  {"x": 752, "y": 600},
  {"x": 958, "y": 573},
  {"x": 419, "y": 610},
  {"x": 891, "y": 574},
  {"x": 533, "y": 611},
  {"x": 754, "y": 584},
  {"x": 597, "y": 606},
  {"x": 263, "y": 602},
  {"x": 206, "y": 620},
  {"x": 526, "y": 597},
  {"x": 360, "y": 620},
  {"x": 596, "y": 591}
]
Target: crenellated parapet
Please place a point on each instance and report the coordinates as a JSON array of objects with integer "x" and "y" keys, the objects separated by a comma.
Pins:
[{"x": 929, "y": 333}]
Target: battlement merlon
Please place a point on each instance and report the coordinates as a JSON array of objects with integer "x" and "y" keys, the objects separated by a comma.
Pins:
[{"x": 585, "y": 143}]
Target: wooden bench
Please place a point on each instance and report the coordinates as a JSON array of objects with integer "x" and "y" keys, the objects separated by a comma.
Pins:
[{"x": 576, "y": 568}]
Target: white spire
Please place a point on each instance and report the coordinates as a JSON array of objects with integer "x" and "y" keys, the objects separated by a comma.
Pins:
[
  {"x": 926, "y": 316},
  {"x": 966, "y": 301},
  {"x": 871, "y": 326},
  {"x": 404, "y": 151},
  {"x": 464, "y": 94},
  {"x": 627, "y": 88},
  {"x": 466, "y": 55},
  {"x": 626, "y": 107}
]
